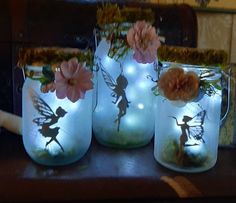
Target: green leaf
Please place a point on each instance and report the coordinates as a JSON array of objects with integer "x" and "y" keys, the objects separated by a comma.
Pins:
[
  {"x": 47, "y": 72},
  {"x": 216, "y": 85},
  {"x": 48, "y": 75},
  {"x": 44, "y": 80},
  {"x": 155, "y": 90}
]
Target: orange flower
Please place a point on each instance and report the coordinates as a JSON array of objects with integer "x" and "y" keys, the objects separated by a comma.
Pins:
[{"x": 177, "y": 85}]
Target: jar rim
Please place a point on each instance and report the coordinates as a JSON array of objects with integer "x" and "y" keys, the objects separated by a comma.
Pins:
[
  {"x": 36, "y": 70},
  {"x": 167, "y": 64}
]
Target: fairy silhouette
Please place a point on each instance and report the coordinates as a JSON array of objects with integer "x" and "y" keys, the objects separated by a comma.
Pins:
[
  {"x": 48, "y": 118},
  {"x": 118, "y": 87},
  {"x": 191, "y": 128}
]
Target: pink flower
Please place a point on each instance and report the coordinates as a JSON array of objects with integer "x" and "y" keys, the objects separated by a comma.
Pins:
[
  {"x": 143, "y": 39},
  {"x": 73, "y": 80}
]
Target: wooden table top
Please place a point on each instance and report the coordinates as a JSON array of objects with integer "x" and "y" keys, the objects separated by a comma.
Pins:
[{"x": 109, "y": 174}]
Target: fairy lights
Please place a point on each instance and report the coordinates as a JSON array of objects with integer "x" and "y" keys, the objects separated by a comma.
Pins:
[
  {"x": 186, "y": 137},
  {"x": 140, "y": 106},
  {"x": 130, "y": 69},
  {"x": 54, "y": 132},
  {"x": 123, "y": 100}
]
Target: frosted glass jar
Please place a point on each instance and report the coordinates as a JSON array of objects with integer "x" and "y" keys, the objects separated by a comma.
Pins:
[
  {"x": 186, "y": 136},
  {"x": 124, "y": 102},
  {"x": 55, "y": 131}
]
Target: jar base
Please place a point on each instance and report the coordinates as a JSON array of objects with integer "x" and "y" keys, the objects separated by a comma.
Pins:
[
  {"x": 186, "y": 169},
  {"x": 43, "y": 157},
  {"x": 127, "y": 145}
]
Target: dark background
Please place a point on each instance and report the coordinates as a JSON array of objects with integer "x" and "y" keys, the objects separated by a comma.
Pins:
[{"x": 25, "y": 23}]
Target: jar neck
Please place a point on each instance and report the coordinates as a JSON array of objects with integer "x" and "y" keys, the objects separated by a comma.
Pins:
[
  {"x": 34, "y": 72},
  {"x": 118, "y": 28}
]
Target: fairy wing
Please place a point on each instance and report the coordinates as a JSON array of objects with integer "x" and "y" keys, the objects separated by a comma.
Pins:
[
  {"x": 196, "y": 129},
  {"x": 42, "y": 107},
  {"x": 40, "y": 120},
  {"x": 108, "y": 79}
]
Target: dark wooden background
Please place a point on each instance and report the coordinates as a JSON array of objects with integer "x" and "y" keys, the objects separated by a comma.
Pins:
[
  {"x": 6, "y": 101},
  {"x": 69, "y": 24}
]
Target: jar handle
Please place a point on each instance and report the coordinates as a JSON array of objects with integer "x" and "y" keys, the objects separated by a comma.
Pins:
[
  {"x": 228, "y": 88},
  {"x": 23, "y": 73},
  {"x": 96, "y": 36}
]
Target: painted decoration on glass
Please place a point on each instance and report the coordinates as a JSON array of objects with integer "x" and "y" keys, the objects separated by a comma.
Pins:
[
  {"x": 118, "y": 87},
  {"x": 191, "y": 128},
  {"x": 48, "y": 119}
]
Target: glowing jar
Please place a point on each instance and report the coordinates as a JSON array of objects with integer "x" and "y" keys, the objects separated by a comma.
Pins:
[
  {"x": 186, "y": 134},
  {"x": 124, "y": 102},
  {"x": 55, "y": 131}
]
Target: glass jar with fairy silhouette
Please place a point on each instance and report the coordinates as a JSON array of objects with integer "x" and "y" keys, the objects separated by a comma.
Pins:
[
  {"x": 57, "y": 120},
  {"x": 188, "y": 118},
  {"x": 126, "y": 64},
  {"x": 124, "y": 103}
]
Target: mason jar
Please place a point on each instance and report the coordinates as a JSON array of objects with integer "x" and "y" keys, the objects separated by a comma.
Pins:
[
  {"x": 124, "y": 102},
  {"x": 55, "y": 131},
  {"x": 187, "y": 133}
]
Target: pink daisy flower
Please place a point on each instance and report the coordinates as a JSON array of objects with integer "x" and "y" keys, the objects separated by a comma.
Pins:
[
  {"x": 72, "y": 80},
  {"x": 143, "y": 39}
]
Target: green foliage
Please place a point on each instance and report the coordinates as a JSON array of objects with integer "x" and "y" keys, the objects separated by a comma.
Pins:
[
  {"x": 48, "y": 75},
  {"x": 112, "y": 13}
]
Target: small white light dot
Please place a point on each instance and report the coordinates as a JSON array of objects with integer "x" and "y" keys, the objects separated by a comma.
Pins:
[
  {"x": 140, "y": 106},
  {"x": 130, "y": 69}
]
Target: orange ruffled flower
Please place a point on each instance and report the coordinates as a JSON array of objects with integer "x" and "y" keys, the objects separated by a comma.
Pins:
[{"x": 177, "y": 85}]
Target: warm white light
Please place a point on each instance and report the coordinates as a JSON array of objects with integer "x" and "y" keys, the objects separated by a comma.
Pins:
[
  {"x": 140, "y": 106},
  {"x": 130, "y": 69},
  {"x": 130, "y": 120},
  {"x": 142, "y": 84}
]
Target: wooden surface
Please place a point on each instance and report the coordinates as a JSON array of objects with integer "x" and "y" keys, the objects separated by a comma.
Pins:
[{"x": 110, "y": 174}]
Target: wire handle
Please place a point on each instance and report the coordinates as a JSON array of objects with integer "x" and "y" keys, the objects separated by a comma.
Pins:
[{"x": 228, "y": 87}]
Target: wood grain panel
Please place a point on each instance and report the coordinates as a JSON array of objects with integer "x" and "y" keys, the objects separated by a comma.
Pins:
[
  {"x": 233, "y": 41},
  {"x": 214, "y": 31}
]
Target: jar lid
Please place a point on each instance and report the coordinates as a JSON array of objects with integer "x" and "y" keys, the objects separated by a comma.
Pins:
[
  {"x": 193, "y": 56},
  {"x": 53, "y": 56}
]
